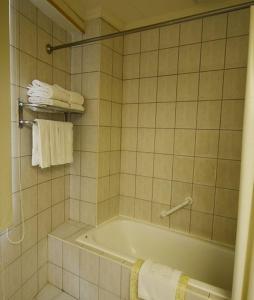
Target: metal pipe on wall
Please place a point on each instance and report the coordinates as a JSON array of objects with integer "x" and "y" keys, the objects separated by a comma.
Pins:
[{"x": 50, "y": 48}]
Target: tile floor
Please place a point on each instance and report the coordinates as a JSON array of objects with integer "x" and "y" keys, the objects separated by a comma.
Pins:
[{"x": 49, "y": 292}]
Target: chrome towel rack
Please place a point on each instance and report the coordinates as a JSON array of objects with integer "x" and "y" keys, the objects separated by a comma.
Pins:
[{"x": 42, "y": 108}]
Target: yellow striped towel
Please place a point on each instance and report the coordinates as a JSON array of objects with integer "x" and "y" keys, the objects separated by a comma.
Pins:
[
  {"x": 180, "y": 290},
  {"x": 134, "y": 279}
]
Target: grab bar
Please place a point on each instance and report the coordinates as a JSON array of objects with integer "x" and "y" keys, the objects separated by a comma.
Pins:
[{"x": 166, "y": 213}]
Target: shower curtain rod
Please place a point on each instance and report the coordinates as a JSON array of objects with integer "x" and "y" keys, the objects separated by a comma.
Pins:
[{"x": 50, "y": 48}]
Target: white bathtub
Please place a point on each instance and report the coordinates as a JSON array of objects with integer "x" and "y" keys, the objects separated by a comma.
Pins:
[{"x": 129, "y": 239}]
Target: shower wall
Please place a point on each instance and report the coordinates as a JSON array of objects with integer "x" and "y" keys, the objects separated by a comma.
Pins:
[
  {"x": 95, "y": 174},
  {"x": 23, "y": 267},
  {"x": 182, "y": 111}
]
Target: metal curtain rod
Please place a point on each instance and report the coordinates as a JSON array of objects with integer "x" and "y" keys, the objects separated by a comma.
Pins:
[{"x": 50, "y": 48}]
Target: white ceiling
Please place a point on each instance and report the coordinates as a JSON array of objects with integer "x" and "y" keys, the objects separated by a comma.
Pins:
[{"x": 125, "y": 14}]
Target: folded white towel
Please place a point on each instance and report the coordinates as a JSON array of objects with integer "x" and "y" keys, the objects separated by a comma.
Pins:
[
  {"x": 52, "y": 143},
  {"x": 52, "y": 102},
  {"x": 74, "y": 97},
  {"x": 44, "y": 90},
  {"x": 41, "y": 144},
  {"x": 157, "y": 281}
]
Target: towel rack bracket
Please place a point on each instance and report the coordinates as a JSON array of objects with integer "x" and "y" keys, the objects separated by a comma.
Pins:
[{"x": 42, "y": 108}]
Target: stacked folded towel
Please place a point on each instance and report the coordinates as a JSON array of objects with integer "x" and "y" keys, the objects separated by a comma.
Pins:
[{"x": 42, "y": 93}]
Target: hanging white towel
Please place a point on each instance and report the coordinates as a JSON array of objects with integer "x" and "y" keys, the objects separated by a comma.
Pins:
[
  {"x": 157, "y": 281},
  {"x": 52, "y": 143},
  {"x": 61, "y": 143},
  {"x": 41, "y": 144}
]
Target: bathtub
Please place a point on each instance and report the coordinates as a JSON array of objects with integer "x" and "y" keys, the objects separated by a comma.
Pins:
[{"x": 206, "y": 263}]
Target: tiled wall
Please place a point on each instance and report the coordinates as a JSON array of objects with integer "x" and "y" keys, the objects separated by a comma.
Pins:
[
  {"x": 97, "y": 74},
  {"x": 183, "y": 98},
  {"x": 43, "y": 192}
]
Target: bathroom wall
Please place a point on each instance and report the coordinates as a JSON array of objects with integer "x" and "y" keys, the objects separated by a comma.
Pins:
[
  {"x": 23, "y": 266},
  {"x": 183, "y": 98},
  {"x": 95, "y": 174}
]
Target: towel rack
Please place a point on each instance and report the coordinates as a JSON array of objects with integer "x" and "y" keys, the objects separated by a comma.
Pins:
[{"x": 43, "y": 108}]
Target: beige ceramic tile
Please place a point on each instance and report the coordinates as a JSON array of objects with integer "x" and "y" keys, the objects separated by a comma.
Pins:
[
  {"x": 209, "y": 113},
  {"x": 180, "y": 190},
  {"x": 238, "y": 22},
  {"x": 164, "y": 141},
  {"x": 168, "y": 59},
  {"x": 146, "y": 140},
  {"x": 210, "y": 86},
  {"x": 143, "y": 210},
  {"x": 187, "y": 87},
  {"x": 214, "y": 27},
  {"x": 232, "y": 115},
  {"x": 127, "y": 185},
  {"x": 145, "y": 164},
  {"x": 181, "y": 220},
  {"x": 234, "y": 83},
  {"x": 132, "y": 43},
  {"x": 230, "y": 144},
  {"x": 144, "y": 187},
  {"x": 148, "y": 89},
  {"x": 183, "y": 168},
  {"x": 128, "y": 162},
  {"x": 169, "y": 36},
  {"x": 237, "y": 52},
  {"x": 130, "y": 91},
  {"x": 203, "y": 198},
  {"x": 129, "y": 115},
  {"x": 163, "y": 166},
  {"x": 146, "y": 115},
  {"x": 129, "y": 139},
  {"x": 205, "y": 171},
  {"x": 186, "y": 113},
  {"x": 165, "y": 115},
  {"x": 157, "y": 208},
  {"x": 161, "y": 191},
  {"x": 228, "y": 174},
  {"x": 224, "y": 230},
  {"x": 166, "y": 88},
  {"x": 226, "y": 203},
  {"x": 131, "y": 66},
  {"x": 184, "y": 142},
  {"x": 207, "y": 143},
  {"x": 150, "y": 40},
  {"x": 201, "y": 224},
  {"x": 148, "y": 64},
  {"x": 189, "y": 58},
  {"x": 213, "y": 53},
  {"x": 191, "y": 32}
]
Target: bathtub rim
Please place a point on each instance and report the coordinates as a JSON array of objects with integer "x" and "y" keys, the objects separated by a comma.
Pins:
[{"x": 164, "y": 228}]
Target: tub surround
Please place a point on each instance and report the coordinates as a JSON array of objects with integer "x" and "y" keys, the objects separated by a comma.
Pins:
[{"x": 81, "y": 270}]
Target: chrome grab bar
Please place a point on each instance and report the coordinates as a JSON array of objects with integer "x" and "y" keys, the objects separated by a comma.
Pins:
[{"x": 166, "y": 213}]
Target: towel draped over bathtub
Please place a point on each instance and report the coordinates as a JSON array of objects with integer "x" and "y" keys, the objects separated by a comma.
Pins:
[{"x": 150, "y": 281}]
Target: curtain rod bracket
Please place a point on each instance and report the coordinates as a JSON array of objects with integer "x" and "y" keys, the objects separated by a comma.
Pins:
[{"x": 49, "y": 49}]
